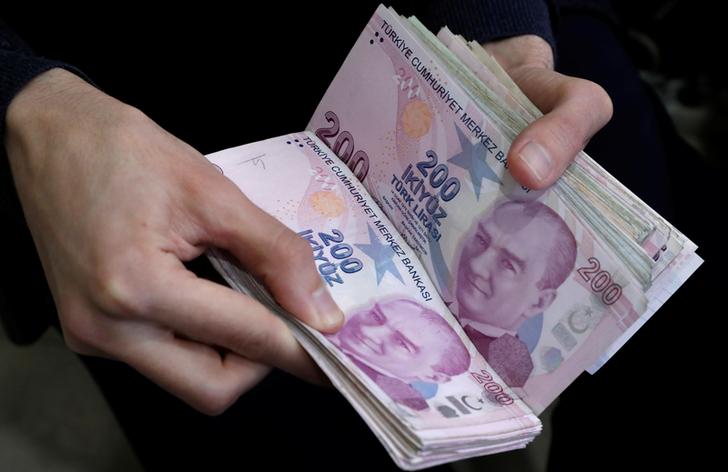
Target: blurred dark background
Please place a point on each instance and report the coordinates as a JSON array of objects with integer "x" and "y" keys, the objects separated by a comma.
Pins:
[{"x": 678, "y": 46}]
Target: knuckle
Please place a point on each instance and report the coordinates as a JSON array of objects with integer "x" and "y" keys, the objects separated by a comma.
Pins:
[
  {"x": 223, "y": 206},
  {"x": 292, "y": 250},
  {"x": 603, "y": 101},
  {"x": 79, "y": 332},
  {"x": 593, "y": 90},
  {"x": 254, "y": 344},
  {"x": 586, "y": 109},
  {"x": 579, "y": 88},
  {"x": 289, "y": 250},
  {"x": 217, "y": 397},
  {"x": 76, "y": 343},
  {"x": 597, "y": 98},
  {"x": 76, "y": 346},
  {"x": 568, "y": 132},
  {"x": 207, "y": 190},
  {"x": 587, "y": 88},
  {"x": 117, "y": 289}
]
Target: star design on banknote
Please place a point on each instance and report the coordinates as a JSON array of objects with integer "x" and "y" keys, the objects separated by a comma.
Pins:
[
  {"x": 382, "y": 254},
  {"x": 472, "y": 158}
]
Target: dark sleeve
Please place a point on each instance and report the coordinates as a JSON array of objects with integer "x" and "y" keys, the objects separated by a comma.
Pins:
[
  {"x": 26, "y": 306},
  {"x": 18, "y": 66},
  {"x": 488, "y": 20}
]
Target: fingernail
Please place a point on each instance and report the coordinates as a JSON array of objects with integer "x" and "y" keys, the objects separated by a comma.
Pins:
[
  {"x": 537, "y": 159},
  {"x": 328, "y": 314}
]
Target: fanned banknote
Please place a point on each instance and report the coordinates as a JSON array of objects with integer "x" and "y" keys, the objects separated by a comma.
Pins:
[
  {"x": 471, "y": 302},
  {"x": 401, "y": 359},
  {"x": 546, "y": 284}
]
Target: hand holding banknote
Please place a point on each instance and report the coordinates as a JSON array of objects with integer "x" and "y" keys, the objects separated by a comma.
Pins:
[
  {"x": 575, "y": 109},
  {"x": 115, "y": 205},
  {"x": 115, "y": 211}
]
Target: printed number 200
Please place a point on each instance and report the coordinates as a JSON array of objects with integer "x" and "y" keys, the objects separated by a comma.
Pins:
[
  {"x": 343, "y": 147},
  {"x": 601, "y": 281}
]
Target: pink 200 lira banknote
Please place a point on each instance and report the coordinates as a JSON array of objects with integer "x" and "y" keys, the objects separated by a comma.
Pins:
[
  {"x": 401, "y": 359},
  {"x": 537, "y": 291}
]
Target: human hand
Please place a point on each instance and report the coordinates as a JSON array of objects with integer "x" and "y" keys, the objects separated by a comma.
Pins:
[
  {"x": 574, "y": 110},
  {"x": 115, "y": 204}
]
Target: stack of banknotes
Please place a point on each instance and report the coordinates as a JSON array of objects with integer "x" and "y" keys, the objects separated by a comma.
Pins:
[{"x": 471, "y": 302}]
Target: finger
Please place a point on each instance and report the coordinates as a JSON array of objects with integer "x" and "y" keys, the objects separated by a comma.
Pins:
[
  {"x": 216, "y": 315},
  {"x": 574, "y": 110},
  {"x": 281, "y": 259},
  {"x": 198, "y": 374}
]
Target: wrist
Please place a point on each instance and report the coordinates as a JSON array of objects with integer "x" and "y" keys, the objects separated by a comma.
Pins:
[
  {"x": 55, "y": 109},
  {"x": 45, "y": 100}
]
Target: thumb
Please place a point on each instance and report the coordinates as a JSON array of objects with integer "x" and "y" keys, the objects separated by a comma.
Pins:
[
  {"x": 277, "y": 256},
  {"x": 574, "y": 109}
]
